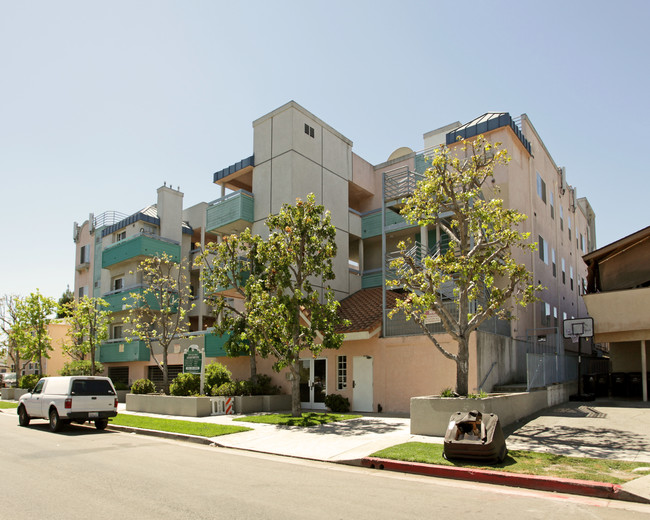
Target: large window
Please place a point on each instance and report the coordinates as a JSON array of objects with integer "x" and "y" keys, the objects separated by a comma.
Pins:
[
  {"x": 553, "y": 260},
  {"x": 551, "y": 203},
  {"x": 571, "y": 277},
  {"x": 342, "y": 372},
  {"x": 541, "y": 188},
  {"x": 563, "y": 272},
  {"x": 543, "y": 250}
]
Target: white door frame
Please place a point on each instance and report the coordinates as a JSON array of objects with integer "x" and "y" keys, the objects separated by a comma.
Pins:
[
  {"x": 314, "y": 385},
  {"x": 362, "y": 384}
]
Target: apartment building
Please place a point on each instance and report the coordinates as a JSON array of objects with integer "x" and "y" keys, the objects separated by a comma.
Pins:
[{"x": 383, "y": 362}]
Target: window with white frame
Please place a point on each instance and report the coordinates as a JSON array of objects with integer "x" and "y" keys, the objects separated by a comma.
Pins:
[
  {"x": 342, "y": 372},
  {"x": 551, "y": 201},
  {"x": 553, "y": 261},
  {"x": 541, "y": 188},
  {"x": 543, "y": 250},
  {"x": 571, "y": 277},
  {"x": 120, "y": 236},
  {"x": 563, "y": 272},
  {"x": 561, "y": 218},
  {"x": 582, "y": 243},
  {"x": 83, "y": 291},
  {"x": 568, "y": 221},
  {"x": 84, "y": 254},
  {"x": 117, "y": 284},
  {"x": 117, "y": 331}
]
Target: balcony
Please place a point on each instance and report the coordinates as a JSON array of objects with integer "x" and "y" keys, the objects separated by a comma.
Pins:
[
  {"x": 400, "y": 184},
  {"x": 119, "y": 351},
  {"x": 117, "y": 302},
  {"x": 214, "y": 345},
  {"x": 139, "y": 246},
  {"x": 232, "y": 213},
  {"x": 371, "y": 223}
]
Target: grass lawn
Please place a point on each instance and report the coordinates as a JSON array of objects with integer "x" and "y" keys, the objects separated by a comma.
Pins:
[
  {"x": 307, "y": 419},
  {"x": 525, "y": 462},
  {"x": 175, "y": 426},
  {"x": 7, "y": 404}
]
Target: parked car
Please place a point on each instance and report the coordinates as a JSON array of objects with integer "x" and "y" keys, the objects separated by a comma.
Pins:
[{"x": 66, "y": 399}]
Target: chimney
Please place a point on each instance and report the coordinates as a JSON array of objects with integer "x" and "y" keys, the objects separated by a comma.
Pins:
[{"x": 170, "y": 212}]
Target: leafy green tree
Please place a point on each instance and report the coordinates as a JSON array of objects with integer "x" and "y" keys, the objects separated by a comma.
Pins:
[
  {"x": 33, "y": 314},
  {"x": 160, "y": 312},
  {"x": 478, "y": 264},
  {"x": 67, "y": 298},
  {"x": 286, "y": 315},
  {"x": 231, "y": 263},
  {"x": 89, "y": 321},
  {"x": 8, "y": 317},
  {"x": 81, "y": 367}
]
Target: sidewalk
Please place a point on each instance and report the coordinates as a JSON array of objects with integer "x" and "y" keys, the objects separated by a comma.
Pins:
[{"x": 602, "y": 429}]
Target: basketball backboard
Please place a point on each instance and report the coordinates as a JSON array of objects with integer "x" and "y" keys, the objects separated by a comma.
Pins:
[{"x": 579, "y": 327}]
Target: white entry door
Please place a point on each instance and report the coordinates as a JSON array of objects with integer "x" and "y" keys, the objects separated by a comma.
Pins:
[
  {"x": 362, "y": 400},
  {"x": 313, "y": 383}
]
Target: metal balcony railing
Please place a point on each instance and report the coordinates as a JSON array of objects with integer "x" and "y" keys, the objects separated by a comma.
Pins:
[{"x": 400, "y": 183}]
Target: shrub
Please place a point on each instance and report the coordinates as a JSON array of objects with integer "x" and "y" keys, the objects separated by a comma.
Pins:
[
  {"x": 233, "y": 388},
  {"x": 80, "y": 368},
  {"x": 120, "y": 385},
  {"x": 337, "y": 403},
  {"x": 29, "y": 381},
  {"x": 448, "y": 392},
  {"x": 264, "y": 386},
  {"x": 185, "y": 384},
  {"x": 143, "y": 386},
  {"x": 216, "y": 374},
  {"x": 480, "y": 395}
]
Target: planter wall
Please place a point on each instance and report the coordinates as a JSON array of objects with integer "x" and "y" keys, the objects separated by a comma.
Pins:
[
  {"x": 202, "y": 406},
  {"x": 169, "y": 405},
  {"x": 12, "y": 394},
  {"x": 430, "y": 414}
]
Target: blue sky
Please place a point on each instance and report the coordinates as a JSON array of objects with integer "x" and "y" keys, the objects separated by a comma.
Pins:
[{"x": 102, "y": 102}]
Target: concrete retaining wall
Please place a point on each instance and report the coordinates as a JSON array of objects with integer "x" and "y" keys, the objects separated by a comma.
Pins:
[
  {"x": 12, "y": 394},
  {"x": 430, "y": 414},
  {"x": 169, "y": 405}
]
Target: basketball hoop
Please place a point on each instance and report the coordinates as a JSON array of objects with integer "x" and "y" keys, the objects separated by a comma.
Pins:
[{"x": 574, "y": 338}]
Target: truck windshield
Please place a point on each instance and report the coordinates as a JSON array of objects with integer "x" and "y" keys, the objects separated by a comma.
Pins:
[{"x": 91, "y": 387}]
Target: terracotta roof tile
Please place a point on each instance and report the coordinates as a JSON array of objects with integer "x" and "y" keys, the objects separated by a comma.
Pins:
[{"x": 363, "y": 309}]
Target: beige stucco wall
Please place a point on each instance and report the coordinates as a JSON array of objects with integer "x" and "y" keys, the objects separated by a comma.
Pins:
[{"x": 58, "y": 332}]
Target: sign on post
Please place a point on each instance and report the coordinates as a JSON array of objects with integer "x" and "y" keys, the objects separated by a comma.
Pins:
[{"x": 193, "y": 360}]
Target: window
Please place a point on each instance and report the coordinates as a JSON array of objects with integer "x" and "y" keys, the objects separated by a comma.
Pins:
[
  {"x": 83, "y": 291},
  {"x": 309, "y": 130},
  {"x": 563, "y": 272},
  {"x": 541, "y": 188},
  {"x": 117, "y": 331},
  {"x": 546, "y": 314},
  {"x": 552, "y": 204},
  {"x": 571, "y": 277},
  {"x": 118, "y": 283},
  {"x": 342, "y": 372},
  {"x": 120, "y": 236},
  {"x": 543, "y": 250},
  {"x": 568, "y": 221},
  {"x": 553, "y": 260},
  {"x": 561, "y": 219},
  {"x": 39, "y": 387},
  {"x": 84, "y": 256},
  {"x": 119, "y": 374},
  {"x": 555, "y": 324},
  {"x": 582, "y": 243}
]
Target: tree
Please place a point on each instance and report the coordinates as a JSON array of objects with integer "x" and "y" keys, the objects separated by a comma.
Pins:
[
  {"x": 231, "y": 263},
  {"x": 478, "y": 264},
  {"x": 30, "y": 328},
  {"x": 8, "y": 317},
  {"x": 159, "y": 312},
  {"x": 67, "y": 298},
  {"x": 89, "y": 323},
  {"x": 285, "y": 313}
]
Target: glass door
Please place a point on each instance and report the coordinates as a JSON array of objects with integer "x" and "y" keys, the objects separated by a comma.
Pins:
[{"x": 313, "y": 383}]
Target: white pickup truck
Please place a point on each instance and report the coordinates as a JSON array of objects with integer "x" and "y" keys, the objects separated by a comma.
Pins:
[{"x": 67, "y": 399}]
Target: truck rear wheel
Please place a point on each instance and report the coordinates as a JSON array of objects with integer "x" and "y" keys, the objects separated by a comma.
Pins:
[
  {"x": 23, "y": 418},
  {"x": 55, "y": 421},
  {"x": 101, "y": 424}
]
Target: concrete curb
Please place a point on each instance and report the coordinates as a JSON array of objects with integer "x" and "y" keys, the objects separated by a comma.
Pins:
[
  {"x": 558, "y": 485},
  {"x": 165, "y": 435}
]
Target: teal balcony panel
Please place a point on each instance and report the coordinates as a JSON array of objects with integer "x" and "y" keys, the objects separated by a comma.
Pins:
[
  {"x": 118, "y": 301},
  {"x": 371, "y": 223},
  {"x": 122, "y": 352},
  {"x": 371, "y": 279},
  {"x": 139, "y": 245},
  {"x": 232, "y": 213}
]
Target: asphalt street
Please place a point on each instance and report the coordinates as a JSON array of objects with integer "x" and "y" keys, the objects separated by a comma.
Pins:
[{"x": 83, "y": 472}]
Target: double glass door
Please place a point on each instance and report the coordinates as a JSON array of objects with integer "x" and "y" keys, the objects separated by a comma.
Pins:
[{"x": 313, "y": 383}]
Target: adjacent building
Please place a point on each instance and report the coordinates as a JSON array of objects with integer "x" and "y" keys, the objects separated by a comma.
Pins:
[{"x": 383, "y": 362}]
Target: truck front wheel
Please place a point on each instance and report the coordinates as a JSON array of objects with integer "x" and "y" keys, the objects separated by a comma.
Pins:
[
  {"x": 23, "y": 418},
  {"x": 55, "y": 421}
]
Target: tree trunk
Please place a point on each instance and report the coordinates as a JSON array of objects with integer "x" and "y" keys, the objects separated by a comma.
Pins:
[
  {"x": 296, "y": 410},
  {"x": 92, "y": 359},
  {"x": 253, "y": 363},
  {"x": 165, "y": 373},
  {"x": 462, "y": 367}
]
